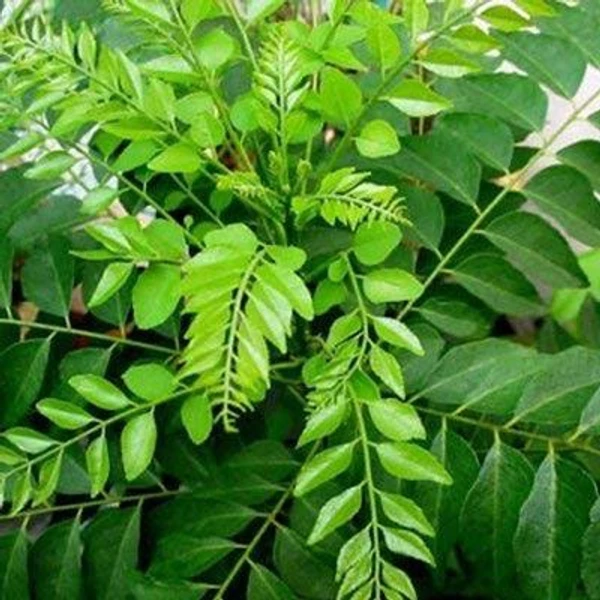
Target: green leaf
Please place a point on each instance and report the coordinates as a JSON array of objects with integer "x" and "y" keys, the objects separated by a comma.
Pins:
[
  {"x": 215, "y": 48},
  {"x": 156, "y": 295},
  {"x": 408, "y": 461},
  {"x": 323, "y": 467},
  {"x": 99, "y": 392},
  {"x": 48, "y": 276},
  {"x": 416, "y": 17},
  {"x": 407, "y": 543},
  {"x": 447, "y": 63},
  {"x": 387, "y": 368},
  {"x": 113, "y": 279},
  {"x": 391, "y": 285},
  {"x": 97, "y": 463},
  {"x": 28, "y": 440},
  {"x": 14, "y": 574},
  {"x": 184, "y": 556},
  {"x": 263, "y": 585},
  {"x": 491, "y": 513},
  {"x": 404, "y": 512},
  {"x": 374, "y": 242},
  {"x": 6, "y": 269},
  {"x": 551, "y": 525},
  {"x": 508, "y": 97},
  {"x": 335, "y": 513},
  {"x": 111, "y": 552},
  {"x": 138, "y": 443},
  {"x": 207, "y": 131},
  {"x": 52, "y": 165},
  {"x": 504, "y": 289},
  {"x": 377, "y": 139},
  {"x": 490, "y": 140},
  {"x": 426, "y": 215},
  {"x": 585, "y": 157},
  {"x": 558, "y": 394},
  {"x": 255, "y": 11},
  {"x": 415, "y": 99},
  {"x": 323, "y": 422},
  {"x": 98, "y": 200},
  {"x": 197, "y": 418},
  {"x": 341, "y": 98},
  {"x": 536, "y": 247},
  {"x": 535, "y": 53},
  {"x": 64, "y": 414},
  {"x": 591, "y": 555},
  {"x": 487, "y": 376},
  {"x": 21, "y": 146},
  {"x": 48, "y": 479},
  {"x": 396, "y": 333},
  {"x": 150, "y": 381},
  {"x": 396, "y": 421},
  {"x": 383, "y": 44},
  {"x": 22, "y": 371},
  {"x": 504, "y": 18},
  {"x": 179, "y": 158},
  {"x": 56, "y": 562},
  {"x": 354, "y": 551},
  {"x": 440, "y": 162},
  {"x": 442, "y": 504}
]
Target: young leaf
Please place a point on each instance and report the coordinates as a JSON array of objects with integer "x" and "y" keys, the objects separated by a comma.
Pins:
[
  {"x": 396, "y": 421},
  {"x": 197, "y": 418},
  {"x": 156, "y": 295},
  {"x": 179, "y": 158},
  {"x": 416, "y": 100},
  {"x": 138, "y": 442},
  {"x": 391, "y": 285},
  {"x": 387, "y": 368},
  {"x": 337, "y": 511},
  {"x": 323, "y": 422},
  {"x": 150, "y": 381},
  {"x": 407, "y": 461},
  {"x": 64, "y": 414},
  {"x": 404, "y": 512},
  {"x": 377, "y": 139},
  {"x": 113, "y": 279},
  {"x": 407, "y": 543},
  {"x": 396, "y": 333},
  {"x": 323, "y": 467},
  {"x": 373, "y": 242},
  {"x": 99, "y": 392},
  {"x": 341, "y": 98}
]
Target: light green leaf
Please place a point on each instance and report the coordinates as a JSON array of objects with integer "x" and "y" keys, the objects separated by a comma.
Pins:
[
  {"x": 407, "y": 543},
  {"x": 391, "y": 285},
  {"x": 504, "y": 18},
  {"x": 404, "y": 512},
  {"x": 408, "y": 461},
  {"x": 377, "y": 139},
  {"x": 354, "y": 551},
  {"x": 396, "y": 420},
  {"x": 207, "y": 131},
  {"x": 150, "y": 381},
  {"x": 374, "y": 242},
  {"x": 447, "y": 63},
  {"x": 496, "y": 282},
  {"x": 179, "y": 158},
  {"x": 28, "y": 440},
  {"x": 156, "y": 295},
  {"x": 197, "y": 418},
  {"x": 98, "y": 200},
  {"x": 398, "y": 334},
  {"x": 341, "y": 98},
  {"x": 323, "y": 467},
  {"x": 491, "y": 512},
  {"x": 64, "y": 414},
  {"x": 383, "y": 44},
  {"x": 335, "y": 513},
  {"x": 99, "y": 392},
  {"x": 551, "y": 525},
  {"x": 97, "y": 462},
  {"x": 261, "y": 9},
  {"x": 138, "y": 442},
  {"x": 113, "y": 279},
  {"x": 323, "y": 422},
  {"x": 416, "y": 17},
  {"x": 52, "y": 165},
  {"x": 415, "y": 99},
  {"x": 48, "y": 479},
  {"x": 387, "y": 368},
  {"x": 215, "y": 48}
]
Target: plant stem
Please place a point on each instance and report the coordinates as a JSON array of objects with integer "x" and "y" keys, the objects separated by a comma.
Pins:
[{"x": 87, "y": 334}]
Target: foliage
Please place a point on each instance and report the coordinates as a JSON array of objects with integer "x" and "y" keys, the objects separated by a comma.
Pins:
[{"x": 292, "y": 306}]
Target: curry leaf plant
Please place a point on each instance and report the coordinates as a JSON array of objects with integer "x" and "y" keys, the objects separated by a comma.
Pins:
[{"x": 300, "y": 300}]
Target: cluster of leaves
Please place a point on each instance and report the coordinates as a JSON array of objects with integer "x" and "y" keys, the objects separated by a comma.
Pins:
[{"x": 292, "y": 303}]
